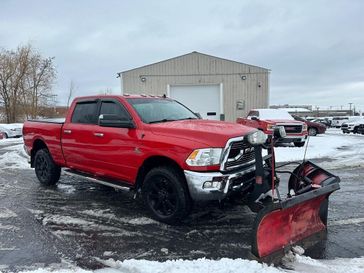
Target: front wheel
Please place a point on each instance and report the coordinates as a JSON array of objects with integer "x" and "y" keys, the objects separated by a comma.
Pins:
[
  {"x": 165, "y": 195},
  {"x": 312, "y": 131},
  {"x": 47, "y": 171}
]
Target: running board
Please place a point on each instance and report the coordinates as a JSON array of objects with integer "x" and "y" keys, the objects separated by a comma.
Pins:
[{"x": 100, "y": 180}]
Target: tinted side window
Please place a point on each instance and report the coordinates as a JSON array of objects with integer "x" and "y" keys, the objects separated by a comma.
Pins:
[
  {"x": 253, "y": 114},
  {"x": 112, "y": 108},
  {"x": 85, "y": 112}
]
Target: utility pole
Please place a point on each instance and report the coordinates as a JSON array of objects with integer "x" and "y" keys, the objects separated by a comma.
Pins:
[{"x": 350, "y": 103}]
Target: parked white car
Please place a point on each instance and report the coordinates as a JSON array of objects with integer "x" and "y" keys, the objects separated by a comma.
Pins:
[
  {"x": 352, "y": 125},
  {"x": 11, "y": 130},
  {"x": 338, "y": 121}
]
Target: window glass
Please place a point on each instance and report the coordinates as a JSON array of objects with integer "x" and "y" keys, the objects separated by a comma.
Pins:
[
  {"x": 253, "y": 114},
  {"x": 85, "y": 112},
  {"x": 112, "y": 108},
  {"x": 160, "y": 110}
]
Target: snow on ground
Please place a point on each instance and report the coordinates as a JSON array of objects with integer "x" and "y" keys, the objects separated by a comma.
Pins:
[
  {"x": 298, "y": 264},
  {"x": 339, "y": 149},
  {"x": 14, "y": 156},
  {"x": 342, "y": 150}
]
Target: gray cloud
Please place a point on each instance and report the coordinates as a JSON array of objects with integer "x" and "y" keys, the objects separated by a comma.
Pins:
[{"x": 314, "y": 48}]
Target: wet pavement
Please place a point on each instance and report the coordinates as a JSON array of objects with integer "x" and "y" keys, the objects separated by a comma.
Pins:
[{"x": 80, "y": 222}]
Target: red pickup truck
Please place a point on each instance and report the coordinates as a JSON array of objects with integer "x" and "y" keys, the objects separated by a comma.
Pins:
[
  {"x": 151, "y": 144},
  {"x": 267, "y": 119},
  {"x": 161, "y": 149}
]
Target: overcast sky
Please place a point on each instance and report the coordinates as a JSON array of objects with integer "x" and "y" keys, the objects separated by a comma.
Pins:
[{"x": 315, "y": 49}]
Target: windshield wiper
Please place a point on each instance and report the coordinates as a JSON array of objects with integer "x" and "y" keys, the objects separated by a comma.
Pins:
[
  {"x": 186, "y": 118},
  {"x": 162, "y": 120}
]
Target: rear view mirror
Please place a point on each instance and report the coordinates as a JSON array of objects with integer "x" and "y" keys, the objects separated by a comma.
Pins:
[{"x": 109, "y": 120}]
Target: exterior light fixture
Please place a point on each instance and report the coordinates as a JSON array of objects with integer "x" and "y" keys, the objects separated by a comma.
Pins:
[
  {"x": 243, "y": 77},
  {"x": 143, "y": 79}
]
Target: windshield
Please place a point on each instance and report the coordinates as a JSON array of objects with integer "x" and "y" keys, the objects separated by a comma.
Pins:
[{"x": 160, "y": 110}]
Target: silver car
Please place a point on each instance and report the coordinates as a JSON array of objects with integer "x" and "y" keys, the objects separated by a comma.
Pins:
[{"x": 11, "y": 130}]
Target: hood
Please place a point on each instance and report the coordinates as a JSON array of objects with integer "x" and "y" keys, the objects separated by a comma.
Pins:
[
  {"x": 290, "y": 121},
  {"x": 210, "y": 133}
]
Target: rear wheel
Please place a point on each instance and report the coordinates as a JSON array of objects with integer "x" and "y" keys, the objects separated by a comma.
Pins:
[
  {"x": 312, "y": 131},
  {"x": 165, "y": 195},
  {"x": 47, "y": 171}
]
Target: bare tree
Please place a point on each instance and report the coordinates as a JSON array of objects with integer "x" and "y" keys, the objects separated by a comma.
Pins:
[
  {"x": 26, "y": 80},
  {"x": 71, "y": 91}
]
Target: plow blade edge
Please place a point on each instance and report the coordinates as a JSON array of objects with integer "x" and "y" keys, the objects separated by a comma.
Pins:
[{"x": 280, "y": 225}]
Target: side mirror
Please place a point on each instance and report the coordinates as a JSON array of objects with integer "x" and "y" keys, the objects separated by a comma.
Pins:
[
  {"x": 109, "y": 120},
  {"x": 279, "y": 132},
  {"x": 254, "y": 118}
]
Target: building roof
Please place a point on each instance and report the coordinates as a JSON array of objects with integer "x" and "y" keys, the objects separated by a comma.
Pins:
[{"x": 193, "y": 52}]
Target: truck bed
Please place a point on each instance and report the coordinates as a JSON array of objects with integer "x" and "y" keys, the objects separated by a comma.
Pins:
[{"x": 47, "y": 130}]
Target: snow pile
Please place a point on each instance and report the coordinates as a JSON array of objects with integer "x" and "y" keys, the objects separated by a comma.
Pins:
[
  {"x": 303, "y": 264},
  {"x": 300, "y": 264},
  {"x": 14, "y": 157},
  {"x": 343, "y": 150}
]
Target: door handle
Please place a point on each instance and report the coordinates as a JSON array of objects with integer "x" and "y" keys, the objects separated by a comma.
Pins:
[
  {"x": 98, "y": 134},
  {"x": 67, "y": 131}
]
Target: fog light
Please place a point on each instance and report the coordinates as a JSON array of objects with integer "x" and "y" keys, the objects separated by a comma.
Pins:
[{"x": 207, "y": 185}]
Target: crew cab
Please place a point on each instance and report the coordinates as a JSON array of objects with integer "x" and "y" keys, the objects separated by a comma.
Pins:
[
  {"x": 153, "y": 145},
  {"x": 268, "y": 119}
]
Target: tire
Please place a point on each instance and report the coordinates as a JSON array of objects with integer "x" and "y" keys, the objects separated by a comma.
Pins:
[
  {"x": 47, "y": 171},
  {"x": 299, "y": 144},
  {"x": 5, "y": 135},
  {"x": 165, "y": 195},
  {"x": 312, "y": 131}
]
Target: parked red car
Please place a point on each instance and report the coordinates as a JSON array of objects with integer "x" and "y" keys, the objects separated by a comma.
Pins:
[
  {"x": 1, "y": 135},
  {"x": 313, "y": 128},
  {"x": 267, "y": 119}
]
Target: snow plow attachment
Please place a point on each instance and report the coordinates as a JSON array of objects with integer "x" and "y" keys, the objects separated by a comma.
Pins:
[{"x": 299, "y": 218}]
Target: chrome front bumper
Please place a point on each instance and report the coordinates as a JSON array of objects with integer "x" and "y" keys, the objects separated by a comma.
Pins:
[{"x": 212, "y": 185}]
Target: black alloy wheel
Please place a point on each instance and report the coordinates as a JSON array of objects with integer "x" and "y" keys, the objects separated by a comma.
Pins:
[
  {"x": 165, "y": 194},
  {"x": 162, "y": 196},
  {"x": 47, "y": 171}
]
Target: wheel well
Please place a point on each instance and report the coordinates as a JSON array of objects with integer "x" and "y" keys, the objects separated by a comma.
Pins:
[
  {"x": 152, "y": 162},
  {"x": 37, "y": 145}
]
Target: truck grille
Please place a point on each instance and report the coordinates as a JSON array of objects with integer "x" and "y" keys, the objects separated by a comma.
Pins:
[
  {"x": 240, "y": 153},
  {"x": 292, "y": 129}
]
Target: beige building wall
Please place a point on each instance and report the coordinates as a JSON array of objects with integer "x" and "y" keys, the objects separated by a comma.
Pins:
[{"x": 241, "y": 83}]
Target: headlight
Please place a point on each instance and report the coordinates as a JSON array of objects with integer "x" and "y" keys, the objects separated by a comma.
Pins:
[
  {"x": 270, "y": 127},
  {"x": 257, "y": 138},
  {"x": 204, "y": 157},
  {"x": 304, "y": 127}
]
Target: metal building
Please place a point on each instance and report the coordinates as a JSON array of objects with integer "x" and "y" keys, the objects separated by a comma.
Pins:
[{"x": 214, "y": 87}]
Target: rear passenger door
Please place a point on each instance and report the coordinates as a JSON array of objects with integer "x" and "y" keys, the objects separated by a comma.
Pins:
[{"x": 77, "y": 136}]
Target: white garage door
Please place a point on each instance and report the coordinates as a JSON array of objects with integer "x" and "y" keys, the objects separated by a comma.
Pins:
[{"x": 202, "y": 99}]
